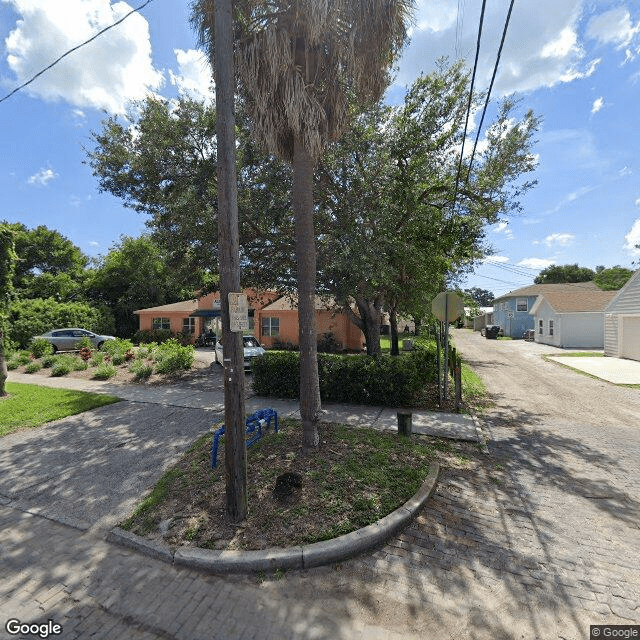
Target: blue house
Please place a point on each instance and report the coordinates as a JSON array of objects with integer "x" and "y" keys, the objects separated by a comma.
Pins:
[{"x": 511, "y": 311}]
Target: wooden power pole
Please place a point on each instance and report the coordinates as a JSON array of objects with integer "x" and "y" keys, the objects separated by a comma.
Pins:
[{"x": 229, "y": 252}]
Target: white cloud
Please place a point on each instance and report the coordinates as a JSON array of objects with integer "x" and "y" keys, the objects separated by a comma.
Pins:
[
  {"x": 625, "y": 171},
  {"x": 597, "y": 105},
  {"x": 613, "y": 27},
  {"x": 104, "y": 74},
  {"x": 194, "y": 79},
  {"x": 632, "y": 239},
  {"x": 42, "y": 178},
  {"x": 503, "y": 227},
  {"x": 560, "y": 239},
  {"x": 543, "y": 46},
  {"x": 536, "y": 263},
  {"x": 637, "y": 202},
  {"x": 495, "y": 259}
]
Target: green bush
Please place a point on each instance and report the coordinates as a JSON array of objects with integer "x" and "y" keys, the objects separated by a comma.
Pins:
[
  {"x": 85, "y": 343},
  {"x": 357, "y": 379},
  {"x": 12, "y": 365},
  {"x": 98, "y": 358},
  {"x": 105, "y": 371},
  {"x": 140, "y": 370},
  {"x": 327, "y": 343},
  {"x": 33, "y": 367},
  {"x": 145, "y": 336},
  {"x": 172, "y": 357},
  {"x": 63, "y": 365},
  {"x": 41, "y": 347},
  {"x": 48, "y": 361},
  {"x": 119, "y": 345},
  {"x": 117, "y": 359}
]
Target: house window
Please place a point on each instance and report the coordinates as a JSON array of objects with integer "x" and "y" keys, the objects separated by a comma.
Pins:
[
  {"x": 189, "y": 325},
  {"x": 161, "y": 324},
  {"x": 550, "y": 327},
  {"x": 522, "y": 304},
  {"x": 540, "y": 326},
  {"x": 270, "y": 326}
]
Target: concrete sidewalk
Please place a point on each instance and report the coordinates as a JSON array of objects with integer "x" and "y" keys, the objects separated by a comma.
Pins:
[
  {"x": 433, "y": 423},
  {"x": 616, "y": 370}
]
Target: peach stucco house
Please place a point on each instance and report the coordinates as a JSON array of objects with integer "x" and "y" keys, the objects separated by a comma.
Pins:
[{"x": 272, "y": 318}]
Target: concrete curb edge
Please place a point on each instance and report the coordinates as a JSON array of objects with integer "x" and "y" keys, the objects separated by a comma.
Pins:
[{"x": 298, "y": 557}]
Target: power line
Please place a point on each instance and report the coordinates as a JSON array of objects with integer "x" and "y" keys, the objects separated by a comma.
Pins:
[
  {"x": 470, "y": 103},
  {"x": 64, "y": 55},
  {"x": 493, "y": 77}
]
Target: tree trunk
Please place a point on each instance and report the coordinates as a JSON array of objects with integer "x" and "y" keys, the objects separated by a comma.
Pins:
[
  {"x": 369, "y": 322},
  {"x": 3, "y": 366},
  {"x": 393, "y": 320},
  {"x": 302, "y": 204},
  {"x": 418, "y": 324},
  {"x": 229, "y": 257}
]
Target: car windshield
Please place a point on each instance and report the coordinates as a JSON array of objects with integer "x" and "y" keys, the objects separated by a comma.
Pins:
[{"x": 250, "y": 341}]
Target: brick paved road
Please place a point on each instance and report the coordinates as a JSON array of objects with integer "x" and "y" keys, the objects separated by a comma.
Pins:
[{"x": 537, "y": 538}]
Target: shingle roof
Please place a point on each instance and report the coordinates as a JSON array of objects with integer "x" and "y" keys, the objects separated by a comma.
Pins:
[
  {"x": 578, "y": 300},
  {"x": 538, "y": 289},
  {"x": 187, "y": 306}
]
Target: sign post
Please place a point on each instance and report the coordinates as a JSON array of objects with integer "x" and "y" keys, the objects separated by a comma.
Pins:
[
  {"x": 238, "y": 313},
  {"x": 446, "y": 307}
]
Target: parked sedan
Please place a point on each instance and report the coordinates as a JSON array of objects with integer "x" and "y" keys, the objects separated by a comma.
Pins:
[
  {"x": 69, "y": 339},
  {"x": 252, "y": 349}
]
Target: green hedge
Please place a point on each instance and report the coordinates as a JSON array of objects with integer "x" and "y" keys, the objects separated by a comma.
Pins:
[{"x": 355, "y": 379}]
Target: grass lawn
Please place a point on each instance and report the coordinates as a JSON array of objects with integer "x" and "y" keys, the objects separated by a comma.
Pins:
[
  {"x": 29, "y": 405},
  {"x": 356, "y": 477},
  {"x": 385, "y": 341}
]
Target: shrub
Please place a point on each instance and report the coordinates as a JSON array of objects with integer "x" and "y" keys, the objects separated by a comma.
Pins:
[
  {"x": 85, "y": 343},
  {"x": 130, "y": 354},
  {"x": 105, "y": 371},
  {"x": 32, "y": 367},
  {"x": 98, "y": 358},
  {"x": 48, "y": 361},
  {"x": 140, "y": 370},
  {"x": 172, "y": 357},
  {"x": 279, "y": 345},
  {"x": 119, "y": 345},
  {"x": 117, "y": 359},
  {"x": 12, "y": 364},
  {"x": 41, "y": 347},
  {"x": 62, "y": 366},
  {"x": 145, "y": 336},
  {"x": 80, "y": 365},
  {"x": 357, "y": 379},
  {"x": 85, "y": 353},
  {"x": 22, "y": 357},
  {"x": 327, "y": 343}
]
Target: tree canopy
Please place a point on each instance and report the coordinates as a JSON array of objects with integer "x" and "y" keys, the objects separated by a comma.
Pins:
[
  {"x": 613, "y": 278},
  {"x": 556, "y": 274}
]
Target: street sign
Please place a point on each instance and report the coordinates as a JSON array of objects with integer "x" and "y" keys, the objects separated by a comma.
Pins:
[
  {"x": 447, "y": 306},
  {"x": 238, "y": 313}
]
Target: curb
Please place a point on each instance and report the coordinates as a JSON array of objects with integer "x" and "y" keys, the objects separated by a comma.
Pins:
[{"x": 299, "y": 557}]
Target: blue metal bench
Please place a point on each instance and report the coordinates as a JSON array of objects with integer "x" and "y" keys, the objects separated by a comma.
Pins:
[{"x": 254, "y": 423}]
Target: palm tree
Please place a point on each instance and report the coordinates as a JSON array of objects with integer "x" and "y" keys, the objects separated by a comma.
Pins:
[{"x": 299, "y": 63}]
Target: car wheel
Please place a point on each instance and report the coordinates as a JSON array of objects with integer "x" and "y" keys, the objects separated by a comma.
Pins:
[
  {"x": 55, "y": 349},
  {"x": 100, "y": 346}
]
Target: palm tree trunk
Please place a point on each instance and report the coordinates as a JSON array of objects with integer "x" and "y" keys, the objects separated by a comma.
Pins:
[{"x": 302, "y": 203}]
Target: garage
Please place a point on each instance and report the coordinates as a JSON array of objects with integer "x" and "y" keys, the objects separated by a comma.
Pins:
[{"x": 630, "y": 339}]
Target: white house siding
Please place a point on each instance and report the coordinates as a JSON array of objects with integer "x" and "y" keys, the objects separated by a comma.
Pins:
[
  {"x": 546, "y": 313},
  {"x": 611, "y": 347},
  {"x": 582, "y": 330},
  {"x": 621, "y": 310},
  {"x": 630, "y": 337}
]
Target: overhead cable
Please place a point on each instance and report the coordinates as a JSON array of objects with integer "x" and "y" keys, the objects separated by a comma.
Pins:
[
  {"x": 64, "y": 55},
  {"x": 493, "y": 77}
]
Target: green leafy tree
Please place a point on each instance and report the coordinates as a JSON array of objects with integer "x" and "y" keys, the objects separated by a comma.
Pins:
[
  {"x": 613, "y": 278},
  {"x": 298, "y": 63},
  {"x": 134, "y": 275},
  {"x": 7, "y": 268},
  {"x": 393, "y": 237},
  {"x": 481, "y": 297},
  {"x": 48, "y": 264},
  {"x": 557, "y": 274}
]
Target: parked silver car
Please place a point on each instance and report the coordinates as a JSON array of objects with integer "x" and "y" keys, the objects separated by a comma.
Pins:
[
  {"x": 252, "y": 349},
  {"x": 68, "y": 339}
]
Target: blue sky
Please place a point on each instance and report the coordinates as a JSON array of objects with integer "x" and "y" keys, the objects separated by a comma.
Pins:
[{"x": 575, "y": 63}]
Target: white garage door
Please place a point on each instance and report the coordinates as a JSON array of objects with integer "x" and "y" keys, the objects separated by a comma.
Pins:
[{"x": 631, "y": 337}]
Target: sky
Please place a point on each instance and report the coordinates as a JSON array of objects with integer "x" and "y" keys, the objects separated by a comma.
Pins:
[{"x": 575, "y": 63}]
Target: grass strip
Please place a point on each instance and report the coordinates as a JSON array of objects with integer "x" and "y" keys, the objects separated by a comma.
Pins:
[{"x": 29, "y": 405}]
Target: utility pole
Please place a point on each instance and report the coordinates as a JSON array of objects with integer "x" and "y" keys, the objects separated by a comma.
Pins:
[{"x": 229, "y": 252}]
